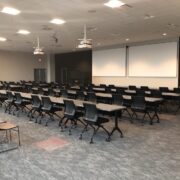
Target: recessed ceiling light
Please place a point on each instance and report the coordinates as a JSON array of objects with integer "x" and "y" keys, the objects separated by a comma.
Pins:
[
  {"x": 114, "y": 3},
  {"x": 11, "y": 11},
  {"x": 164, "y": 34},
  {"x": 127, "y": 39},
  {"x": 57, "y": 21},
  {"x": 148, "y": 16},
  {"x": 3, "y": 39},
  {"x": 24, "y": 32}
]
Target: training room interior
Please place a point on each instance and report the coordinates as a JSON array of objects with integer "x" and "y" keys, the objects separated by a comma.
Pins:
[{"x": 90, "y": 90}]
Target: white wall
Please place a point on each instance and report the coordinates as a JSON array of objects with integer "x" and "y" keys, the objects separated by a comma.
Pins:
[
  {"x": 139, "y": 81},
  {"x": 16, "y": 66}
]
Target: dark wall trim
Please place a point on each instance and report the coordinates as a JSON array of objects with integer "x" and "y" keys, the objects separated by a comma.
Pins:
[
  {"x": 179, "y": 62},
  {"x": 74, "y": 67}
]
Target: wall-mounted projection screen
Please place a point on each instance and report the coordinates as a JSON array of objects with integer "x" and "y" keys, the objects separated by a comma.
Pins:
[
  {"x": 110, "y": 62},
  {"x": 157, "y": 60}
]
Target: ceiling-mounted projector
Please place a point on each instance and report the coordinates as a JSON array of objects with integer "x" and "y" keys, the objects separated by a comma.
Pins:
[
  {"x": 38, "y": 49},
  {"x": 85, "y": 43}
]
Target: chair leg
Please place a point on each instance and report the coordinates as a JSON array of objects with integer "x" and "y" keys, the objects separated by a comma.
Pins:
[
  {"x": 85, "y": 129},
  {"x": 108, "y": 139},
  {"x": 72, "y": 124},
  {"x": 94, "y": 133},
  {"x": 62, "y": 129},
  {"x": 61, "y": 120}
]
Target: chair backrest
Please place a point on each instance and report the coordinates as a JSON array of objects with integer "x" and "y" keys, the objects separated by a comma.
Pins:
[
  {"x": 103, "y": 85},
  {"x": 164, "y": 89},
  {"x": 10, "y": 95},
  {"x": 111, "y": 85},
  {"x": 138, "y": 102},
  {"x": 108, "y": 89},
  {"x": 140, "y": 92},
  {"x": 90, "y": 88},
  {"x": 18, "y": 97},
  {"x": 117, "y": 99},
  {"x": 64, "y": 93},
  {"x": 36, "y": 101},
  {"x": 80, "y": 95},
  {"x": 91, "y": 96},
  {"x": 156, "y": 93},
  {"x": 120, "y": 91},
  {"x": 132, "y": 87},
  {"x": 51, "y": 92},
  {"x": 177, "y": 90},
  {"x": 145, "y": 88},
  {"x": 46, "y": 102},
  {"x": 91, "y": 113},
  {"x": 70, "y": 108}
]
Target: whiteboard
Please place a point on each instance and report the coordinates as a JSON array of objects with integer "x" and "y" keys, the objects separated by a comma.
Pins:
[
  {"x": 157, "y": 60},
  {"x": 111, "y": 62}
]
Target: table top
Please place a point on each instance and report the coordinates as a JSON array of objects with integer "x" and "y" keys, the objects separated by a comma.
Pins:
[{"x": 171, "y": 94}]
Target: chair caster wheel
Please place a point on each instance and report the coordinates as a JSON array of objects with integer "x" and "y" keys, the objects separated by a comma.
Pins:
[{"x": 121, "y": 136}]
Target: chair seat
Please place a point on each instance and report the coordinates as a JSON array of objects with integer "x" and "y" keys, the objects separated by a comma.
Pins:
[
  {"x": 45, "y": 109},
  {"x": 100, "y": 120},
  {"x": 7, "y": 126},
  {"x": 8, "y": 101},
  {"x": 138, "y": 108}
]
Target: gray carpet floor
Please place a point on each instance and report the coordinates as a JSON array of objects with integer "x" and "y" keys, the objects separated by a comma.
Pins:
[{"x": 145, "y": 153}]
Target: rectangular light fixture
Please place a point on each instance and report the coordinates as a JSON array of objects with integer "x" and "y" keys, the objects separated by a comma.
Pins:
[
  {"x": 24, "y": 32},
  {"x": 10, "y": 10},
  {"x": 114, "y": 3},
  {"x": 3, "y": 39},
  {"x": 57, "y": 21}
]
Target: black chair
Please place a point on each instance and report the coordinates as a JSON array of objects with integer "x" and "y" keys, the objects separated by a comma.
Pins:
[
  {"x": 120, "y": 91},
  {"x": 93, "y": 120},
  {"x": 91, "y": 96},
  {"x": 90, "y": 88},
  {"x": 145, "y": 88},
  {"x": 164, "y": 89},
  {"x": 21, "y": 103},
  {"x": 140, "y": 92},
  {"x": 80, "y": 95},
  {"x": 177, "y": 90},
  {"x": 111, "y": 86},
  {"x": 70, "y": 114},
  {"x": 139, "y": 105},
  {"x": 36, "y": 107},
  {"x": 108, "y": 90},
  {"x": 156, "y": 93},
  {"x": 3, "y": 97},
  {"x": 132, "y": 87},
  {"x": 49, "y": 109},
  {"x": 102, "y": 85},
  {"x": 9, "y": 102},
  {"x": 64, "y": 93},
  {"x": 118, "y": 100},
  {"x": 51, "y": 92}
]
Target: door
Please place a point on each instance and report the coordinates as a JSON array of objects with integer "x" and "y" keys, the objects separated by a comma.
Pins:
[{"x": 40, "y": 75}]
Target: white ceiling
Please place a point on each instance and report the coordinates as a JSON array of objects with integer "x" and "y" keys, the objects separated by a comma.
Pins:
[{"x": 107, "y": 27}]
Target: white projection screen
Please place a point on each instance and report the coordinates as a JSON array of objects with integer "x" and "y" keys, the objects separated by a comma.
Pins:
[
  {"x": 157, "y": 60},
  {"x": 111, "y": 62}
]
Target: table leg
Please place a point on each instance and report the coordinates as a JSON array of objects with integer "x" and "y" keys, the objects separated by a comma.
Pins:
[{"x": 116, "y": 127}]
